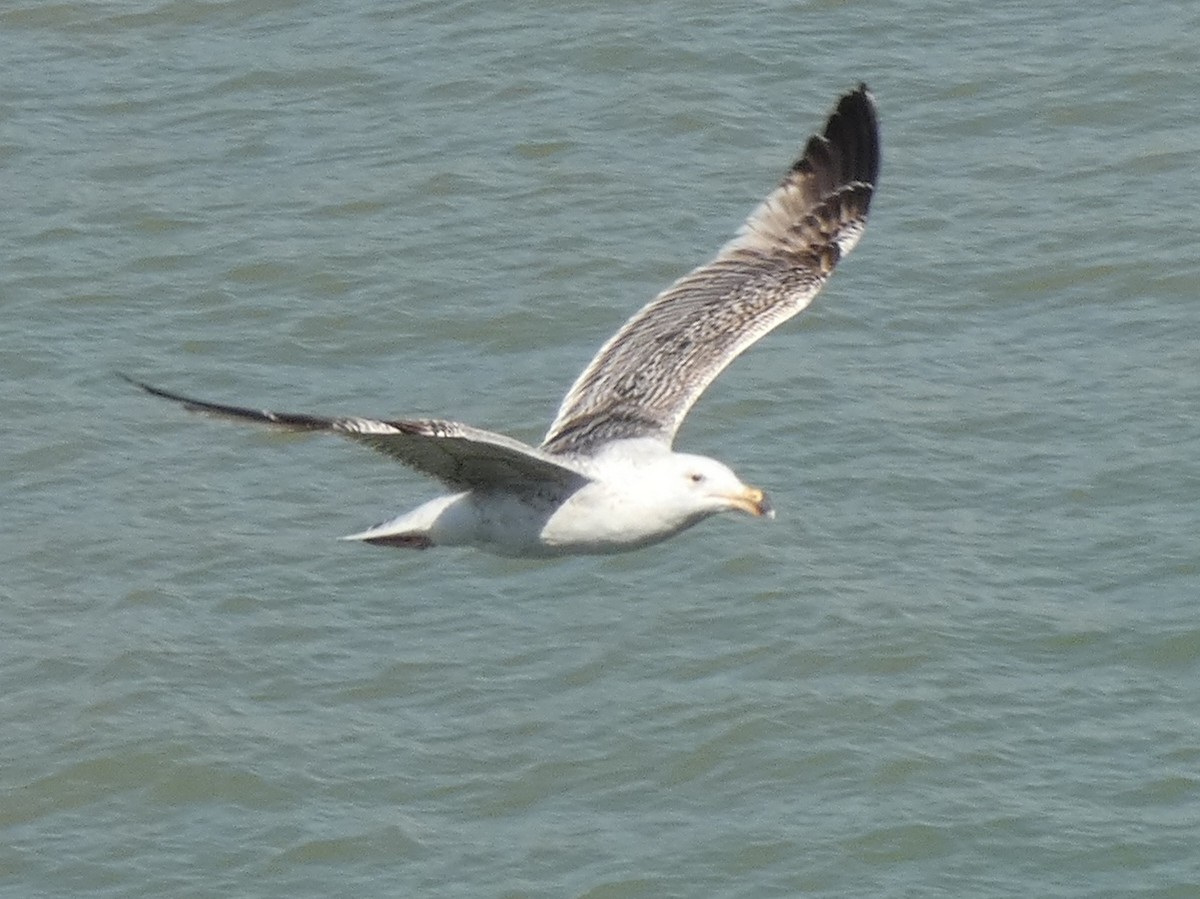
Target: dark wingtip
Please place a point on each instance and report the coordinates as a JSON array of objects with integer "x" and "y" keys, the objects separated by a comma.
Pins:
[
  {"x": 140, "y": 385},
  {"x": 151, "y": 389},
  {"x": 854, "y": 127}
]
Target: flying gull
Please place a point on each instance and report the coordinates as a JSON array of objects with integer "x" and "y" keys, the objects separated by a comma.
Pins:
[{"x": 605, "y": 478}]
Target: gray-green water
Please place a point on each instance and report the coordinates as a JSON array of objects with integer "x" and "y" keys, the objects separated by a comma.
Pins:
[{"x": 964, "y": 661}]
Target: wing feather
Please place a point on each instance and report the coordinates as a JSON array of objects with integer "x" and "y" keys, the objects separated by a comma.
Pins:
[
  {"x": 647, "y": 376},
  {"x": 458, "y": 455}
]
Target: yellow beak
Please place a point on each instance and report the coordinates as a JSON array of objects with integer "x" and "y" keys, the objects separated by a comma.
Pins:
[{"x": 754, "y": 502}]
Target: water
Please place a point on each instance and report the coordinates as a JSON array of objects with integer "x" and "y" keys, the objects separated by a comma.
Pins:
[{"x": 962, "y": 662}]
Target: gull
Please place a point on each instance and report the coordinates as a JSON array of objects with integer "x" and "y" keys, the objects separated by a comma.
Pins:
[{"x": 605, "y": 478}]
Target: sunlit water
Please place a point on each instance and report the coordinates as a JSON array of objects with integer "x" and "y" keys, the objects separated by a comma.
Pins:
[{"x": 965, "y": 659}]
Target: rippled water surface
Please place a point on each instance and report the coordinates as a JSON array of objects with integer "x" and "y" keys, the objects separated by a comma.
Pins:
[{"x": 964, "y": 661}]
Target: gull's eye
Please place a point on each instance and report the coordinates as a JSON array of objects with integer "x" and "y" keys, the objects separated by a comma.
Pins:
[{"x": 696, "y": 477}]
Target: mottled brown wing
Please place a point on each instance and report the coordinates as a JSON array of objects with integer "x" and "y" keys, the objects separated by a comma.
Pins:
[
  {"x": 458, "y": 455},
  {"x": 648, "y": 375}
]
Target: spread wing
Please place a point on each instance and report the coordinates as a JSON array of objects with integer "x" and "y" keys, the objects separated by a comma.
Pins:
[
  {"x": 458, "y": 455},
  {"x": 647, "y": 376}
]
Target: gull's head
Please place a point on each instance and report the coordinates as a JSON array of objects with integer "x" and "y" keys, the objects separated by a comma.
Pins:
[
  {"x": 643, "y": 492},
  {"x": 708, "y": 486}
]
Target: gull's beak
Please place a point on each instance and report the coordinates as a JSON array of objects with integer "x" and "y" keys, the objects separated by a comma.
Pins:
[{"x": 754, "y": 502}]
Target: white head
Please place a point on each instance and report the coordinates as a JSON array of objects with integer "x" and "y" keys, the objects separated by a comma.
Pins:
[
  {"x": 641, "y": 492},
  {"x": 699, "y": 487}
]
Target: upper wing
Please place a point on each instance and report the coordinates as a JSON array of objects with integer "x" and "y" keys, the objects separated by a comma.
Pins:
[
  {"x": 647, "y": 376},
  {"x": 456, "y": 454}
]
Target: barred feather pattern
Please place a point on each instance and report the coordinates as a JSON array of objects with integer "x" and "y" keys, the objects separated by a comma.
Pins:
[{"x": 645, "y": 379}]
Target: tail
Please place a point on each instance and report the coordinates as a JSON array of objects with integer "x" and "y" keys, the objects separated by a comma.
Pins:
[
  {"x": 412, "y": 530},
  {"x": 387, "y": 535},
  {"x": 403, "y": 541}
]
